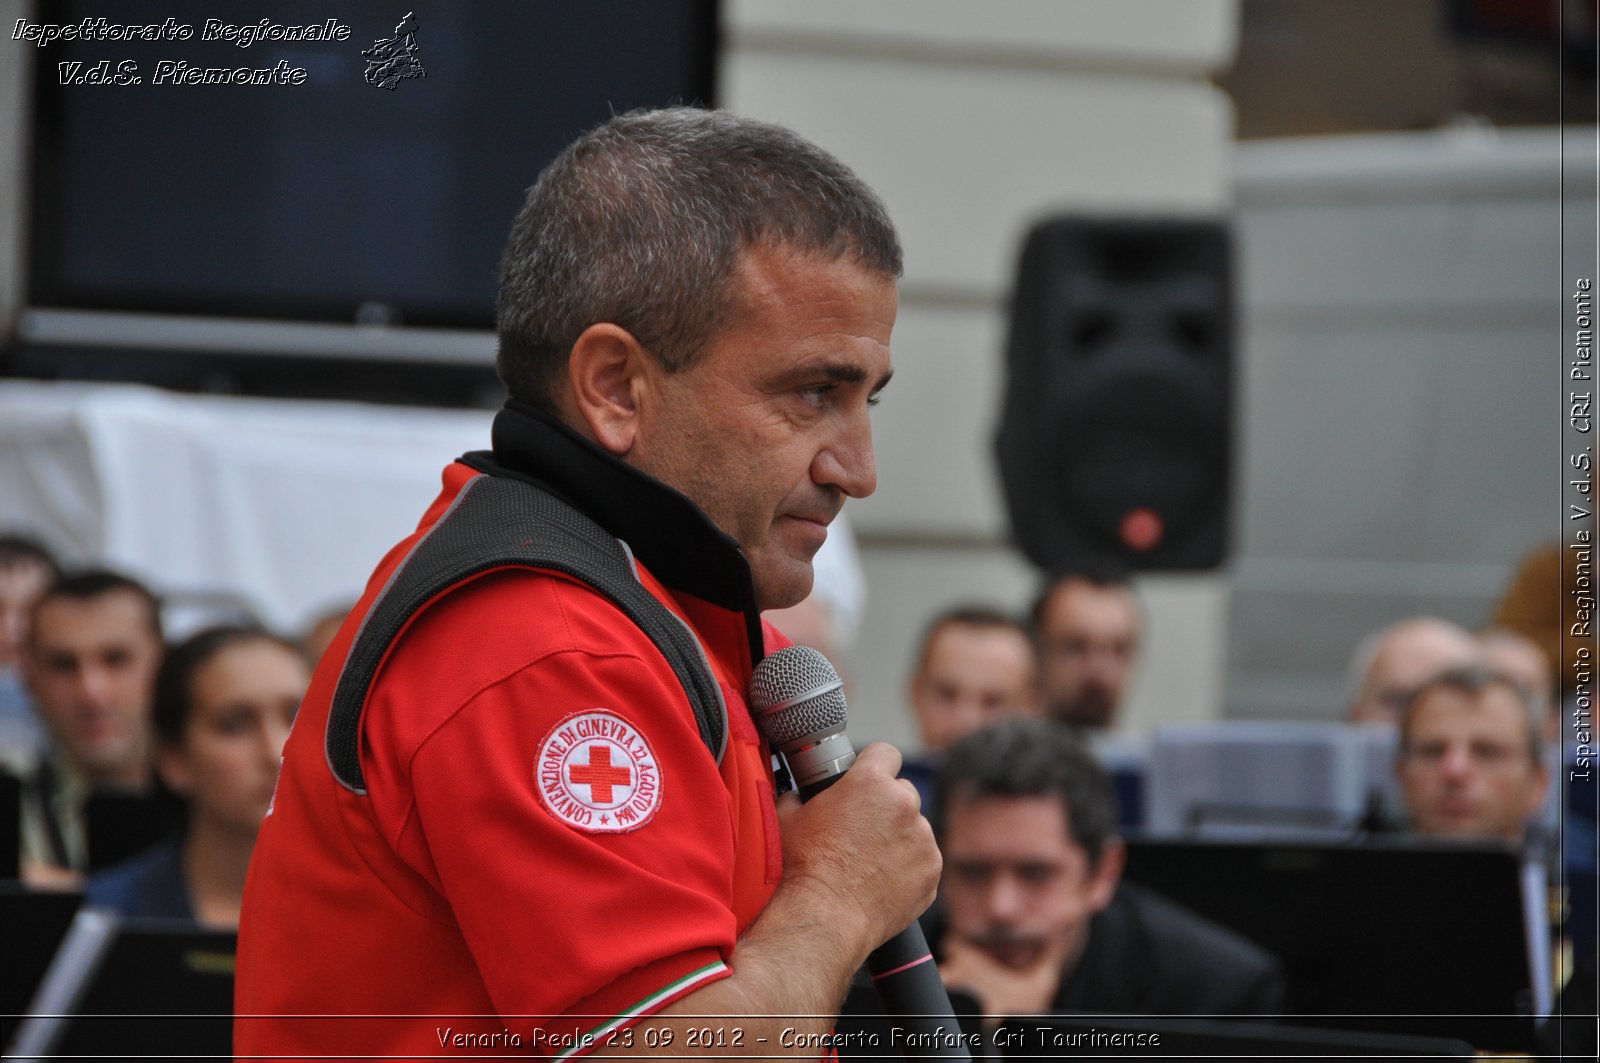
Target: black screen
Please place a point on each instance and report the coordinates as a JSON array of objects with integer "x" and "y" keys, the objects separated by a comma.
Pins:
[{"x": 334, "y": 199}]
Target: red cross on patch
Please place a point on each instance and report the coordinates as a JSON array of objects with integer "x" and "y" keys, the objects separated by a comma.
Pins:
[
  {"x": 599, "y": 775},
  {"x": 596, "y": 772}
]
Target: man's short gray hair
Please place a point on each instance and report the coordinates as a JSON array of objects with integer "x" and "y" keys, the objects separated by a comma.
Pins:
[{"x": 640, "y": 222}]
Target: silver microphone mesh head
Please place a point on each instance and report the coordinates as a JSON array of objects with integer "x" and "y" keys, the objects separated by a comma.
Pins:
[{"x": 798, "y": 697}]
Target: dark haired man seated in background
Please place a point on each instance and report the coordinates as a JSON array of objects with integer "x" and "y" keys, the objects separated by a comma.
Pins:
[
  {"x": 1087, "y": 625},
  {"x": 90, "y": 660},
  {"x": 1036, "y": 918}
]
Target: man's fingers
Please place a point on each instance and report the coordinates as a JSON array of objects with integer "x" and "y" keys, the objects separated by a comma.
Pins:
[{"x": 879, "y": 756}]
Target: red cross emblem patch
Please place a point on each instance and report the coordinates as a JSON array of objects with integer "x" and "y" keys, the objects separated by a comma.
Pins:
[{"x": 596, "y": 772}]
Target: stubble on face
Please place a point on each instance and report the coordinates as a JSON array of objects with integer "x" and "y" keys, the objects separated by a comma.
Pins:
[
  {"x": 1016, "y": 883},
  {"x": 767, "y": 430},
  {"x": 92, "y": 667}
]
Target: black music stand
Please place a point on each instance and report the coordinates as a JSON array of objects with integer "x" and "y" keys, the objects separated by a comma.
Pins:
[
  {"x": 1384, "y": 936},
  {"x": 154, "y": 988}
]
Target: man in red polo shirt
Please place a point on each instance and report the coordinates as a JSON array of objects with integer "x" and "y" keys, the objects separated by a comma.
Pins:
[{"x": 532, "y": 845}]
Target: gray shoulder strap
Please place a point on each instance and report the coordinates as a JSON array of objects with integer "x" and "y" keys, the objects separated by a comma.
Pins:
[{"x": 495, "y": 522}]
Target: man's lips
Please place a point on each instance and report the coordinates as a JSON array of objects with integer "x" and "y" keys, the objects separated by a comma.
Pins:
[
  {"x": 1456, "y": 808},
  {"x": 815, "y": 521},
  {"x": 809, "y": 532},
  {"x": 94, "y": 725}
]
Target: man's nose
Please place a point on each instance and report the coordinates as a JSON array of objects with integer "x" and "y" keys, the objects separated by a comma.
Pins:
[
  {"x": 1457, "y": 761},
  {"x": 848, "y": 461},
  {"x": 96, "y": 685},
  {"x": 1005, "y": 898}
]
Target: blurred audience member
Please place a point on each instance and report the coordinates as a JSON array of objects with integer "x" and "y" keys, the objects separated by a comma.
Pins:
[
  {"x": 1533, "y": 606},
  {"x": 90, "y": 659},
  {"x": 1470, "y": 764},
  {"x": 225, "y": 700},
  {"x": 1087, "y": 625},
  {"x": 976, "y": 667},
  {"x": 839, "y": 584},
  {"x": 322, "y": 630},
  {"x": 1391, "y": 663},
  {"x": 1520, "y": 659},
  {"x": 1036, "y": 916},
  {"x": 810, "y": 623},
  {"x": 829, "y": 618},
  {"x": 26, "y": 570}
]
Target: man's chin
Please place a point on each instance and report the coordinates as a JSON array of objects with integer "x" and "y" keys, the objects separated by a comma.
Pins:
[
  {"x": 781, "y": 584},
  {"x": 1087, "y": 711},
  {"x": 1016, "y": 955},
  {"x": 1459, "y": 826}
]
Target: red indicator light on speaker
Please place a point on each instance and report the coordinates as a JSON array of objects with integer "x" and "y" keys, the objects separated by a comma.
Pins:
[{"x": 1142, "y": 530}]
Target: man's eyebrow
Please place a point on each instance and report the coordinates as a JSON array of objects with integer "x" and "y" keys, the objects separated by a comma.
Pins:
[
  {"x": 838, "y": 373},
  {"x": 854, "y": 374}
]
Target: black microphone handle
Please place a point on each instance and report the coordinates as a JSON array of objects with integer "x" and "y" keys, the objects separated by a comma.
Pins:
[{"x": 908, "y": 984}]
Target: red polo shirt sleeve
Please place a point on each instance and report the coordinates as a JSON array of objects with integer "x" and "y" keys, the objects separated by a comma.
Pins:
[{"x": 596, "y": 890}]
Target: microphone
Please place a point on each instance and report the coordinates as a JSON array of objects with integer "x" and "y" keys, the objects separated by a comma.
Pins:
[{"x": 799, "y": 703}]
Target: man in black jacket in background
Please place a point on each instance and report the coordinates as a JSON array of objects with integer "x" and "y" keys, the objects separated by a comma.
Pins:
[{"x": 1036, "y": 918}]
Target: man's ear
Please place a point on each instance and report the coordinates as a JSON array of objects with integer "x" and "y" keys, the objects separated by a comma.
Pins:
[
  {"x": 1107, "y": 873},
  {"x": 607, "y": 375}
]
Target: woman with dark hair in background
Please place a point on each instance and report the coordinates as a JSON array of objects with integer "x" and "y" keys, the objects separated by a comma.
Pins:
[{"x": 224, "y": 701}]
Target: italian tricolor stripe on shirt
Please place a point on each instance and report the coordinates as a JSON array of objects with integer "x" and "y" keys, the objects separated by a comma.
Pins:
[{"x": 645, "y": 1006}]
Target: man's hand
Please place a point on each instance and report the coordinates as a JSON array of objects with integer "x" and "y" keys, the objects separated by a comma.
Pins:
[
  {"x": 1003, "y": 991},
  {"x": 48, "y": 877},
  {"x": 860, "y": 865},
  {"x": 861, "y": 850}
]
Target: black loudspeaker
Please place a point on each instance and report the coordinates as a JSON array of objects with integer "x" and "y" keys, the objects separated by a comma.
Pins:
[{"x": 1115, "y": 440}]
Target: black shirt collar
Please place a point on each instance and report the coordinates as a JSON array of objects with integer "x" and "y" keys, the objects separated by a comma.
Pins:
[{"x": 674, "y": 539}]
